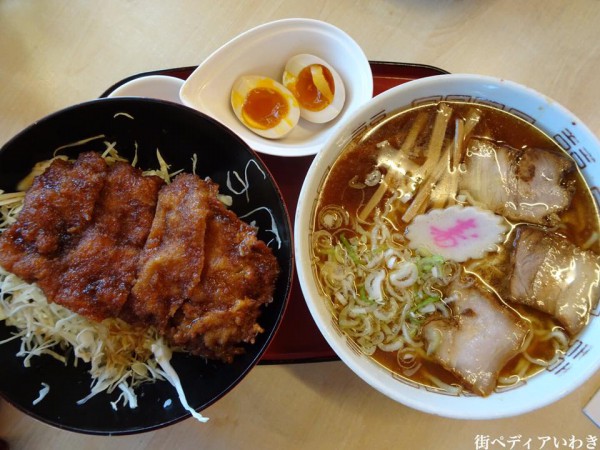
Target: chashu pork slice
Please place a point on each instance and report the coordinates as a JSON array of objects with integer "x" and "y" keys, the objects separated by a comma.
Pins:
[
  {"x": 554, "y": 276},
  {"x": 525, "y": 185},
  {"x": 478, "y": 340}
]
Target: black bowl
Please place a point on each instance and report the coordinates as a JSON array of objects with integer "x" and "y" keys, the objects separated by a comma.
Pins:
[{"x": 177, "y": 132}]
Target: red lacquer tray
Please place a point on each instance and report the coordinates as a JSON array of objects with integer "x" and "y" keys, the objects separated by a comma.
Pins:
[{"x": 298, "y": 339}]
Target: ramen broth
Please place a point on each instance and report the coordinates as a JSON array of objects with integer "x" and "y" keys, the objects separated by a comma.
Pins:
[{"x": 357, "y": 176}]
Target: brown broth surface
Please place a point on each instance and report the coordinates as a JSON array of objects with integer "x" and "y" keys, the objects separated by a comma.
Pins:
[{"x": 362, "y": 156}]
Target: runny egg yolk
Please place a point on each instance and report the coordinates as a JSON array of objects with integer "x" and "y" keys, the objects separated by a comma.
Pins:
[
  {"x": 315, "y": 87},
  {"x": 264, "y": 108}
]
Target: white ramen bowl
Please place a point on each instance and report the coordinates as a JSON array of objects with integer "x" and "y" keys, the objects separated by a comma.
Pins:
[
  {"x": 264, "y": 50},
  {"x": 583, "y": 357}
]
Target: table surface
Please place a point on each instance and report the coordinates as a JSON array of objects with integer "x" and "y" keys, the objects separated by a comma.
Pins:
[{"x": 57, "y": 53}]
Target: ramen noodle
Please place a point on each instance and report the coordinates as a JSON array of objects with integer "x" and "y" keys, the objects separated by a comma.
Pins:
[{"x": 437, "y": 237}]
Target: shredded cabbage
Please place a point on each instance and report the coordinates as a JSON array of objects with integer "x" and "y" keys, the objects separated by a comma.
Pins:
[
  {"x": 162, "y": 354},
  {"x": 273, "y": 228},
  {"x": 244, "y": 182},
  {"x": 163, "y": 170},
  {"x": 43, "y": 392},
  {"x": 121, "y": 356}
]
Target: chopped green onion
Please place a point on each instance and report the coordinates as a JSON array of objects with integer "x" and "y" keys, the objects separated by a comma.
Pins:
[
  {"x": 426, "y": 302},
  {"x": 427, "y": 263},
  {"x": 350, "y": 249},
  {"x": 362, "y": 293}
]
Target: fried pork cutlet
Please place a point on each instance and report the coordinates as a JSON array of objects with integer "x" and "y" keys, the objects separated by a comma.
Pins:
[
  {"x": 110, "y": 242},
  {"x": 173, "y": 257},
  {"x": 205, "y": 274},
  {"x": 239, "y": 276},
  {"x": 96, "y": 277},
  {"x": 80, "y": 233},
  {"x": 57, "y": 208}
]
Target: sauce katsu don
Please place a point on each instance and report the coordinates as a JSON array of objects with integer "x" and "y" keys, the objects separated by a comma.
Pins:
[{"x": 107, "y": 241}]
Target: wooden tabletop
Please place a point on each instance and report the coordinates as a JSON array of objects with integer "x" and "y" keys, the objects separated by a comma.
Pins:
[{"x": 57, "y": 53}]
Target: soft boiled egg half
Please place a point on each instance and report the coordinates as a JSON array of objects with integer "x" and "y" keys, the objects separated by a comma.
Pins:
[
  {"x": 316, "y": 85},
  {"x": 264, "y": 106}
]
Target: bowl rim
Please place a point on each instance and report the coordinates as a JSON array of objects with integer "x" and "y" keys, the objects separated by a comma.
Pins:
[{"x": 462, "y": 407}]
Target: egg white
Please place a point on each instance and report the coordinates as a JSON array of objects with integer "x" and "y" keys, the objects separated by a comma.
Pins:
[
  {"x": 290, "y": 77},
  {"x": 239, "y": 93}
]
